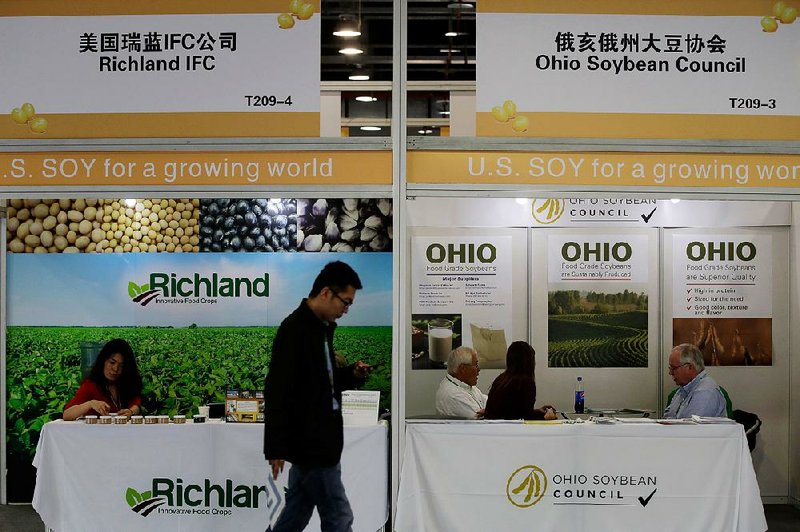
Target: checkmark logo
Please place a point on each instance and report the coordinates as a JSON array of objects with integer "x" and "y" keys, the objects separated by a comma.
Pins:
[
  {"x": 646, "y": 217},
  {"x": 644, "y": 502}
]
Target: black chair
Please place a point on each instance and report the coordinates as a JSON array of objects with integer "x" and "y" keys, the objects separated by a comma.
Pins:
[{"x": 751, "y": 423}]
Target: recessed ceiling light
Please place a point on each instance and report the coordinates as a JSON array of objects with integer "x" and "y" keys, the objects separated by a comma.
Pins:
[
  {"x": 449, "y": 51},
  {"x": 366, "y": 99},
  {"x": 370, "y": 128},
  {"x": 459, "y": 5},
  {"x": 451, "y": 34},
  {"x": 351, "y": 51},
  {"x": 421, "y": 131},
  {"x": 444, "y": 112}
]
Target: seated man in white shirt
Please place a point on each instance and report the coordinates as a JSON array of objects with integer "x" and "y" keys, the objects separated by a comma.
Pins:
[
  {"x": 458, "y": 395},
  {"x": 698, "y": 393}
]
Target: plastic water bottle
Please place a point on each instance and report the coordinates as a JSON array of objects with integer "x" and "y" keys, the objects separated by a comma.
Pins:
[{"x": 579, "y": 396}]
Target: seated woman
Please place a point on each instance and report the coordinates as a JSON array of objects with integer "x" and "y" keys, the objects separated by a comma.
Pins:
[
  {"x": 513, "y": 392},
  {"x": 113, "y": 385}
]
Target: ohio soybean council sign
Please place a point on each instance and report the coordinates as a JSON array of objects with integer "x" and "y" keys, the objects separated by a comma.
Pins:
[
  {"x": 174, "y": 68},
  {"x": 721, "y": 69}
]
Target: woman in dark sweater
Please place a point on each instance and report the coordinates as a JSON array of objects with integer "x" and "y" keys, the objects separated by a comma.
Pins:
[{"x": 513, "y": 392}]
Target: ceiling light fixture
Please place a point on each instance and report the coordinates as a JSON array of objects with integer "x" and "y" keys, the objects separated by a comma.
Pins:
[
  {"x": 449, "y": 51},
  {"x": 366, "y": 99},
  {"x": 359, "y": 74},
  {"x": 351, "y": 51},
  {"x": 348, "y": 26},
  {"x": 370, "y": 128},
  {"x": 451, "y": 34},
  {"x": 460, "y": 5}
]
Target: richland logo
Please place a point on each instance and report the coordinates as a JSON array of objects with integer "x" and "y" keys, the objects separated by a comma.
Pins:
[
  {"x": 526, "y": 486},
  {"x": 171, "y": 288},
  {"x": 173, "y": 497},
  {"x": 547, "y": 211}
]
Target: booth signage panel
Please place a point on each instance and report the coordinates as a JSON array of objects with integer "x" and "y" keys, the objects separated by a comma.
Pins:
[
  {"x": 660, "y": 170},
  {"x": 722, "y": 301},
  {"x": 597, "y": 299},
  {"x": 624, "y": 69},
  {"x": 159, "y": 69},
  {"x": 172, "y": 169},
  {"x": 463, "y": 288}
]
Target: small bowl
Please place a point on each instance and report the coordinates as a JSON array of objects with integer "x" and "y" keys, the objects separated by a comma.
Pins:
[
  {"x": 198, "y": 419},
  {"x": 91, "y": 420},
  {"x": 105, "y": 420},
  {"x": 120, "y": 420},
  {"x": 150, "y": 420},
  {"x": 163, "y": 420},
  {"x": 179, "y": 419},
  {"x": 137, "y": 420}
]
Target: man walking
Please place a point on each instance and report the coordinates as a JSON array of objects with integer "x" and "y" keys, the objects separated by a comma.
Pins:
[{"x": 302, "y": 393}]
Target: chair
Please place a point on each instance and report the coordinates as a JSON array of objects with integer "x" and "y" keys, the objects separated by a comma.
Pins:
[{"x": 751, "y": 423}]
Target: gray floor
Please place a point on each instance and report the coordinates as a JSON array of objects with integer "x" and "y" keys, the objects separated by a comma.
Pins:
[{"x": 23, "y": 518}]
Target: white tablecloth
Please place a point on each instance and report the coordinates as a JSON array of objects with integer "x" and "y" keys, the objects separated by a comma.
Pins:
[
  {"x": 185, "y": 477},
  {"x": 583, "y": 477}
]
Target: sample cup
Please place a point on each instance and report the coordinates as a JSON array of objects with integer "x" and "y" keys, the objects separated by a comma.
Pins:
[{"x": 440, "y": 339}]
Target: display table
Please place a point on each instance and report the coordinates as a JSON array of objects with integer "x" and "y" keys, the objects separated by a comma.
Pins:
[
  {"x": 209, "y": 476},
  {"x": 553, "y": 477}
]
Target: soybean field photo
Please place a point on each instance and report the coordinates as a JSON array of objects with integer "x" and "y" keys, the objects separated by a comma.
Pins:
[
  {"x": 181, "y": 368},
  {"x": 597, "y": 329}
]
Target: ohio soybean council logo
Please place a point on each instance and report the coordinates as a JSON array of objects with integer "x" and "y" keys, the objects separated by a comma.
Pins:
[
  {"x": 143, "y": 503},
  {"x": 547, "y": 211},
  {"x": 526, "y": 486}
]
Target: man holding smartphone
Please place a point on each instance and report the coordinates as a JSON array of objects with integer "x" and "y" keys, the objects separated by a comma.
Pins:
[{"x": 302, "y": 393}]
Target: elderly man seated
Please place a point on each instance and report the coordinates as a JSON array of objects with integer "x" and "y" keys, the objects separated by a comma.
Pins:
[
  {"x": 458, "y": 395},
  {"x": 698, "y": 393}
]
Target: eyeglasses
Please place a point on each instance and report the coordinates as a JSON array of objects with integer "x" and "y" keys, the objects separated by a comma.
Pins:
[
  {"x": 345, "y": 302},
  {"x": 673, "y": 369}
]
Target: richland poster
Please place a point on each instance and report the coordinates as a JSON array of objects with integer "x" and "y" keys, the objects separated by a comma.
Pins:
[
  {"x": 597, "y": 304},
  {"x": 722, "y": 299},
  {"x": 461, "y": 295},
  {"x": 175, "y": 68},
  {"x": 716, "y": 69},
  {"x": 199, "y": 323}
]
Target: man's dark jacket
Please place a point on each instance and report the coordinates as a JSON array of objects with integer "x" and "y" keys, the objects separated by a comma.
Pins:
[{"x": 300, "y": 424}]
